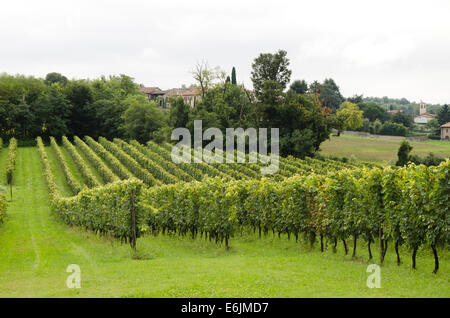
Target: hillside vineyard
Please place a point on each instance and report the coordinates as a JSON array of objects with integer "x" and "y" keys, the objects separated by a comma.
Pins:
[{"x": 130, "y": 190}]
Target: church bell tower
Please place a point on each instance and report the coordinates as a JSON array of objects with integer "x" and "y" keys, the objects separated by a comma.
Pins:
[{"x": 423, "y": 108}]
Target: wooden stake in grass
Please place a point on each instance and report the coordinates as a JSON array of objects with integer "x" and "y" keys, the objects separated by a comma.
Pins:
[{"x": 9, "y": 177}]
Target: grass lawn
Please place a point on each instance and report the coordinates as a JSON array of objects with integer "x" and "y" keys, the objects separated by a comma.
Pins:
[
  {"x": 36, "y": 248},
  {"x": 381, "y": 150}
]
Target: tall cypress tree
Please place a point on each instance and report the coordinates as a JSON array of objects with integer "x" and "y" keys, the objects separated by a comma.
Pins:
[{"x": 233, "y": 76}]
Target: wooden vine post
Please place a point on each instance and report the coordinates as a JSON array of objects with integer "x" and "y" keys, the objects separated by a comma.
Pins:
[
  {"x": 133, "y": 222},
  {"x": 9, "y": 179}
]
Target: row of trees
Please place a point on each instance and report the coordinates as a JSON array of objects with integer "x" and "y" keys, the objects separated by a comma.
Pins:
[{"x": 56, "y": 106}]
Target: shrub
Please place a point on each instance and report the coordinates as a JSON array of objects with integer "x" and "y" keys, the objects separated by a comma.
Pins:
[{"x": 393, "y": 129}]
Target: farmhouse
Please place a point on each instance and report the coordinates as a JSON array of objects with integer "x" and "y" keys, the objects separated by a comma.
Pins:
[
  {"x": 190, "y": 95},
  {"x": 423, "y": 117},
  {"x": 445, "y": 131}
]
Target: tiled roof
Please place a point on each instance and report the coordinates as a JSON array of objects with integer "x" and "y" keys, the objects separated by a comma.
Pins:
[
  {"x": 151, "y": 90},
  {"x": 427, "y": 115},
  {"x": 182, "y": 92},
  {"x": 447, "y": 125}
]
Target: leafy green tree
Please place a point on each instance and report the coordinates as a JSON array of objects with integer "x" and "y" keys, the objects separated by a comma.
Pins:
[
  {"x": 83, "y": 119},
  {"x": 299, "y": 86},
  {"x": 329, "y": 92},
  {"x": 355, "y": 99},
  {"x": 403, "y": 118},
  {"x": 233, "y": 76},
  {"x": 23, "y": 119},
  {"x": 52, "y": 78},
  {"x": 403, "y": 153},
  {"x": 373, "y": 111},
  {"x": 179, "y": 112},
  {"x": 141, "y": 118},
  {"x": 376, "y": 127},
  {"x": 109, "y": 113},
  {"x": 53, "y": 112},
  {"x": 303, "y": 126},
  {"x": 271, "y": 96},
  {"x": 443, "y": 116},
  {"x": 434, "y": 126},
  {"x": 270, "y": 67},
  {"x": 349, "y": 116}
]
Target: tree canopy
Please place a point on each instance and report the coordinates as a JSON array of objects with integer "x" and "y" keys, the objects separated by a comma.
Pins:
[{"x": 270, "y": 67}]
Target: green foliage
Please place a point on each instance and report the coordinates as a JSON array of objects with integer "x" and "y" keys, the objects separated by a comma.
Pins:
[
  {"x": 129, "y": 162},
  {"x": 71, "y": 181},
  {"x": 373, "y": 111},
  {"x": 153, "y": 167},
  {"x": 179, "y": 112},
  {"x": 141, "y": 118},
  {"x": 384, "y": 203},
  {"x": 403, "y": 118},
  {"x": 3, "y": 207},
  {"x": 348, "y": 117},
  {"x": 52, "y": 78},
  {"x": 118, "y": 168},
  {"x": 393, "y": 129},
  {"x": 403, "y": 153},
  {"x": 105, "y": 210},
  {"x": 190, "y": 169},
  {"x": 165, "y": 164},
  {"x": 89, "y": 177},
  {"x": 319, "y": 198},
  {"x": 329, "y": 93},
  {"x": 56, "y": 106},
  {"x": 107, "y": 175},
  {"x": 299, "y": 86},
  {"x": 49, "y": 178},
  {"x": 443, "y": 116},
  {"x": 270, "y": 67},
  {"x": 233, "y": 76},
  {"x": 11, "y": 160}
]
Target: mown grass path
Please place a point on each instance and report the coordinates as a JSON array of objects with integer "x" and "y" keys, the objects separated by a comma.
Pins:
[{"x": 35, "y": 250}]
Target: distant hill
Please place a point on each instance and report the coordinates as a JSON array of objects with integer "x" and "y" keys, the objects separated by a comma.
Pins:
[{"x": 403, "y": 104}]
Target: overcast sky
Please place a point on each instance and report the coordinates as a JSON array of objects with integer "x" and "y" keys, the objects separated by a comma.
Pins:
[{"x": 376, "y": 48}]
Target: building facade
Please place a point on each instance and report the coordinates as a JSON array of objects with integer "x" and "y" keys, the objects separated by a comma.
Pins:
[
  {"x": 190, "y": 95},
  {"x": 445, "y": 131}
]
